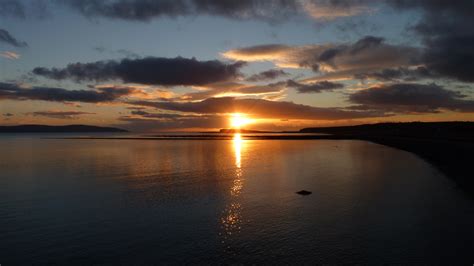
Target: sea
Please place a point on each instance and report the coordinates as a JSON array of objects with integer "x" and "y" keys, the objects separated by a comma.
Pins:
[{"x": 118, "y": 199}]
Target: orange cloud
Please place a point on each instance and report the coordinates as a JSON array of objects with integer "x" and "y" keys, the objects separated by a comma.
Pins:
[
  {"x": 10, "y": 55},
  {"x": 321, "y": 11}
]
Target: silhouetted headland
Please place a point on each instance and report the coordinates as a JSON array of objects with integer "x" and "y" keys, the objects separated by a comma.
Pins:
[
  {"x": 448, "y": 145},
  {"x": 57, "y": 129},
  {"x": 248, "y": 131}
]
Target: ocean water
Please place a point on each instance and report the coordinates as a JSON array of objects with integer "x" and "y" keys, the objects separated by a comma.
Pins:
[{"x": 106, "y": 201}]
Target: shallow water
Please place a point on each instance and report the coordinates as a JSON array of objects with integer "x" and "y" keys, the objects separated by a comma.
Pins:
[{"x": 226, "y": 201}]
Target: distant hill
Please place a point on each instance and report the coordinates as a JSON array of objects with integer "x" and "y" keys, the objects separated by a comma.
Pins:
[
  {"x": 232, "y": 131},
  {"x": 57, "y": 129},
  {"x": 431, "y": 130}
]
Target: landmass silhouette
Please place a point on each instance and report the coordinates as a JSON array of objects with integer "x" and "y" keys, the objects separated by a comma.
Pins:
[{"x": 57, "y": 129}]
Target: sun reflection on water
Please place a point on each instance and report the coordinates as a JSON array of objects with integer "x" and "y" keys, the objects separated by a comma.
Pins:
[
  {"x": 237, "y": 141},
  {"x": 238, "y": 183},
  {"x": 232, "y": 217}
]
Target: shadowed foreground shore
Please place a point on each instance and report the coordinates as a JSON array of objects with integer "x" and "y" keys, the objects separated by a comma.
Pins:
[{"x": 447, "y": 145}]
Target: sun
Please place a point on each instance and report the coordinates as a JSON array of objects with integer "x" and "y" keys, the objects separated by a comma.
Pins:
[{"x": 238, "y": 120}]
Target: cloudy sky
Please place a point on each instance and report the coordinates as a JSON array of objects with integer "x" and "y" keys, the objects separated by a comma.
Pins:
[{"x": 154, "y": 65}]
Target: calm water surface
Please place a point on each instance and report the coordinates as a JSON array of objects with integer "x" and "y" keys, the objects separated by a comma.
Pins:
[{"x": 226, "y": 201}]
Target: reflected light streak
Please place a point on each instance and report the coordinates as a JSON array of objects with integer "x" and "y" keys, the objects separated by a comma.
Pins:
[
  {"x": 232, "y": 218},
  {"x": 237, "y": 141},
  {"x": 237, "y": 184}
]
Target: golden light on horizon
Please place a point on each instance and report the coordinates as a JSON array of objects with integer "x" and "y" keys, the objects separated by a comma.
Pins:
[{"x": 239, "y": 120}]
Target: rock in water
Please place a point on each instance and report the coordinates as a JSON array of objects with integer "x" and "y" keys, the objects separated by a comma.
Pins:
[{"x": 304, "y": 192}]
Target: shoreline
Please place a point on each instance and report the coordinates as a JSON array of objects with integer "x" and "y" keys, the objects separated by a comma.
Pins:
[{"x": 452, "y": 158}]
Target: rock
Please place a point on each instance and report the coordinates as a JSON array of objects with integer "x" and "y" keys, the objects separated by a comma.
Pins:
[{"x": 304, "y": 192}]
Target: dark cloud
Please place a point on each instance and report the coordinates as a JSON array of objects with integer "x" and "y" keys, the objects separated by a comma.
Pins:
[
  {"x": 13, "y": 8},
  {"x": 149, "y": 70},
  {"x": 267, "y": 75},
  {"x": 145, "y": 10},
  {"x": 366, "y": 42},
  {"x": 60, "y": 114},
  {"x": 10, "y": 91},
  {"x": 401, "y": 73},
  {"x": 328, "y": 54},
  {"x": 6, "y": 37},
  {"x": 410, "y": 97},
  {"x": 446, "y": 29},
  {"x": 139, "y": 10},
  {"x": 25, "y": 8},
  {"x": 315, "y": 87},
  {"x": 259, "y": 108},
  {"x": 452, "y": 56}
]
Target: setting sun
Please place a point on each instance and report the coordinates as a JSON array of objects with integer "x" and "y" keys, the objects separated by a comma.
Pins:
[{"x": 238, "y": 120}]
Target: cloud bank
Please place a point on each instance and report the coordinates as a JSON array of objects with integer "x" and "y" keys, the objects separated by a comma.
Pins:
[
  {"x": 268, "y": 10},
  {"x": 11, "y": 91},
  {"x": 259, "y": 108},
  {"x": 410, "y": 97},
  {"x": 60, "y": 114},
  {"x": 148, "y": 70},
  {"x": 368, "y": 53}
]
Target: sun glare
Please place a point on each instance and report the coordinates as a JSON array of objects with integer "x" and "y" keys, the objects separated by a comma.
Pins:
[{"x": 238, "y": 120}]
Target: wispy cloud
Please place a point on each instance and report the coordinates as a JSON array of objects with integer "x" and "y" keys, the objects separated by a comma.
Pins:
[
  {"x": 323, "y": 10},
  {"x": 6, "y": 37},
  {"x": 10, "y": 55},
  {"x": 268, "y": 10},
  {"x": 60, "y": 114},
  {"x": 267, "y": 75}
]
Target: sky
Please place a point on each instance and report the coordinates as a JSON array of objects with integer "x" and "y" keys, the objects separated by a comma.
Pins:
[{"x": 184, "y": 65}]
